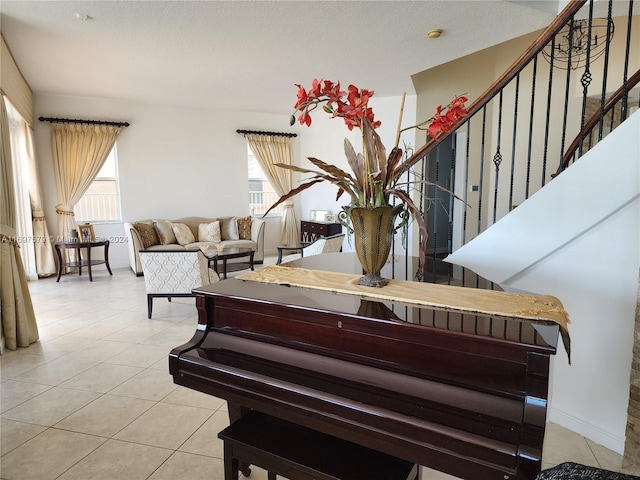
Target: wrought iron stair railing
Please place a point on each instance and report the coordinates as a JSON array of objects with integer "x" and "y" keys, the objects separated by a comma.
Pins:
[
  {"x": 609, "y": 115},
  {"x": 516, "y": 133}
]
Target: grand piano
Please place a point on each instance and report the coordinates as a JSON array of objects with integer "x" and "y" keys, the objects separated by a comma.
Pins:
[{"x": 463, "y": 394}]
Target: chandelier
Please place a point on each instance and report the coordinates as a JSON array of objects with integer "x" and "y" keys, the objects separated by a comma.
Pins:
[{"x": 571, "y": 44}]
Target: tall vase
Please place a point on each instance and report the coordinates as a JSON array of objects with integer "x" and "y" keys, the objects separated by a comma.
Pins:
[{"x": 372, "y": 237}]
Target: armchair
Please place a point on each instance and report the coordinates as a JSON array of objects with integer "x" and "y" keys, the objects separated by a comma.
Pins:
[
  {"x": 174, "y": 273},
  {"x": 318, "y": 246}
]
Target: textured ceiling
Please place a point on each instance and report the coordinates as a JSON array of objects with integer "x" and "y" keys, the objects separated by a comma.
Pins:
[{"x": 247, "y": 55}]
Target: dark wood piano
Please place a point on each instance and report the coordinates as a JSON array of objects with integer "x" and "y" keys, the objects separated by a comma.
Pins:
[{"x": 463, "y": 394}]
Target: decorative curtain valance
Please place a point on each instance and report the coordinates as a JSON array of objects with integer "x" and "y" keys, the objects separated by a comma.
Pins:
[{"x": 13, "y": 84}]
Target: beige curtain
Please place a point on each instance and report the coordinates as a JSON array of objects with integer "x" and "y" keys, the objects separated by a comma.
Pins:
[
  {"x": 269, "y": 150},
  {"x": 79, "y": 151},
  {"x": 19, "y": 327},
  {"x": 45, "y": 263}
]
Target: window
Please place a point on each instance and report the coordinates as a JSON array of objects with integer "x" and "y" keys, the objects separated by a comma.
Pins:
[
  {"x": 261, "y": 193},
  {"x": 101, "y": 202},
  {"x": 22, "y": 161}
]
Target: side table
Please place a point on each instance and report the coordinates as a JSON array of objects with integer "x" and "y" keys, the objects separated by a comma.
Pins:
[
  {"x": 298, "y": 249},
  {"x": 234, "y": 252},
  {"x": 79, "y": 263}
]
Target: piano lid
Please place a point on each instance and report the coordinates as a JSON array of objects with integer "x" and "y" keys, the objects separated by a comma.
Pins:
[{"x": 516, "y": 330}]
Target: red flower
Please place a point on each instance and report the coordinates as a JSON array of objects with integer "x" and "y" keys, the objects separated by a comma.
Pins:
[
  {"x": 332, "y": 91},
  {"x": 439, "y": 124},
  {"x": 302, "y": 96},
  {"x": 434, "y": 130},
  {"x": 443, "y": 122},
  {"x": 374, "y": 123},
  {"x": 305, "y": 119},
  {"x": 355, "y": 107},
  {"x": 315, "y": 88},
  {"x": 457, "y": 110},
  {"x": 353, "y": 110}
]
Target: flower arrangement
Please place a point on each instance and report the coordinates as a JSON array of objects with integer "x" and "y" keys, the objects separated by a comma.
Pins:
[{"x": 376, "y": 177}]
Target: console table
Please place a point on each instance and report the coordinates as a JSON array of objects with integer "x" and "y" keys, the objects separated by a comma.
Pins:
[
  {"x": 79, "y": 262},
  {"x": 310, "y": 231}
]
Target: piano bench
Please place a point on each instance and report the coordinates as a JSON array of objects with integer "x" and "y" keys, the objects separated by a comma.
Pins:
[
  {"x": 570, "y": 471},
  {"x": 299, "y": 453}
]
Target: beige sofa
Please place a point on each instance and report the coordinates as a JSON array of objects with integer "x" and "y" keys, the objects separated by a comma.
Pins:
[{"x": 253, "y": 229}]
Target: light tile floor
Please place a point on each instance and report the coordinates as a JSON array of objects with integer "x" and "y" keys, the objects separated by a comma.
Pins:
[{"x": 93, "y": 399}]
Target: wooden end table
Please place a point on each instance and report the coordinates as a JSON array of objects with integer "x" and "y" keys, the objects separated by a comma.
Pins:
[{"x": 79, "y": 263}]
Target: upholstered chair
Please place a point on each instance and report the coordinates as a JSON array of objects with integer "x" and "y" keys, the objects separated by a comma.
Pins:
[
  {"x": 318, "y": 246},
  {"x": 171, "y": 273}
]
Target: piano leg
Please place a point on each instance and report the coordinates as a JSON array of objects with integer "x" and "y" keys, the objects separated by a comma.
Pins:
[
  {"x": 230, "y": 463},
  {"x": 235, "y": 412}
]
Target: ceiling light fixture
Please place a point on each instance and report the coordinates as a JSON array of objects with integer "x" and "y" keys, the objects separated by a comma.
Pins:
[
  {"x": 83, "y": 16},
  {"x": 434, "y": 33},
  {"x": 572, "y": 43}
]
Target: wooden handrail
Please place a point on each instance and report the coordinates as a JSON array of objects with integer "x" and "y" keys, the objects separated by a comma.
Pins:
[
  {"x": 543, "y": 39},
  {"x": 595, "y": 118}
]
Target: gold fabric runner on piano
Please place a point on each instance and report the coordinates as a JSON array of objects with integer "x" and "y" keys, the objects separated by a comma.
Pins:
[
  {"x": 473, "y": 301},
  {"x": 443, "y": 297}
]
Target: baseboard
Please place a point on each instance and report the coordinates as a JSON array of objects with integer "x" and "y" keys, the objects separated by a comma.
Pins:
[{"x": 595, "y": 434}]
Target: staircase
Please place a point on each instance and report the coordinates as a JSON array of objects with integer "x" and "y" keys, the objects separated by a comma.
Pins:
[
  {"x": 548, "y": 161},
  {"x": 534, "y": 120}
]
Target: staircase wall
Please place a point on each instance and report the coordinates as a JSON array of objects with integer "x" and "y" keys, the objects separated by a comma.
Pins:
[{"x": 578, "y": 239}]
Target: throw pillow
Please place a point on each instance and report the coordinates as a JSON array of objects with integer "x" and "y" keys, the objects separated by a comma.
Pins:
[
  {"x": 229, "y": 228},
  {"x": 183, "y": 234},
  {"x": 165, "y": 231},
  {"x": 244, "y": 228},
  {"x": 209, "y": 232},
  {"x": 147, "y": 234}
]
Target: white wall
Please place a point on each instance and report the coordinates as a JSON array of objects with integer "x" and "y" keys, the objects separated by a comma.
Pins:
[
  {"x": 176, "y": 162},
  {"x": 173, "y": 162}
]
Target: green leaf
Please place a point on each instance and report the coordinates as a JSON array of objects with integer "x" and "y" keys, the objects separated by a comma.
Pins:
[
  {"x": 355, "y": 162},
  {"x": 336, "y": 172},
  {"x": 394, "y": 159},
  {"x": 292, "y": 193},
  {"x": 422, "y": 227}
]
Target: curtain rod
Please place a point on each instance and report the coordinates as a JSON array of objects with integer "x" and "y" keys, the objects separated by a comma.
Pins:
[
  {"x": 89, "y": 122},
  {"x": 277, "y": 134}
]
